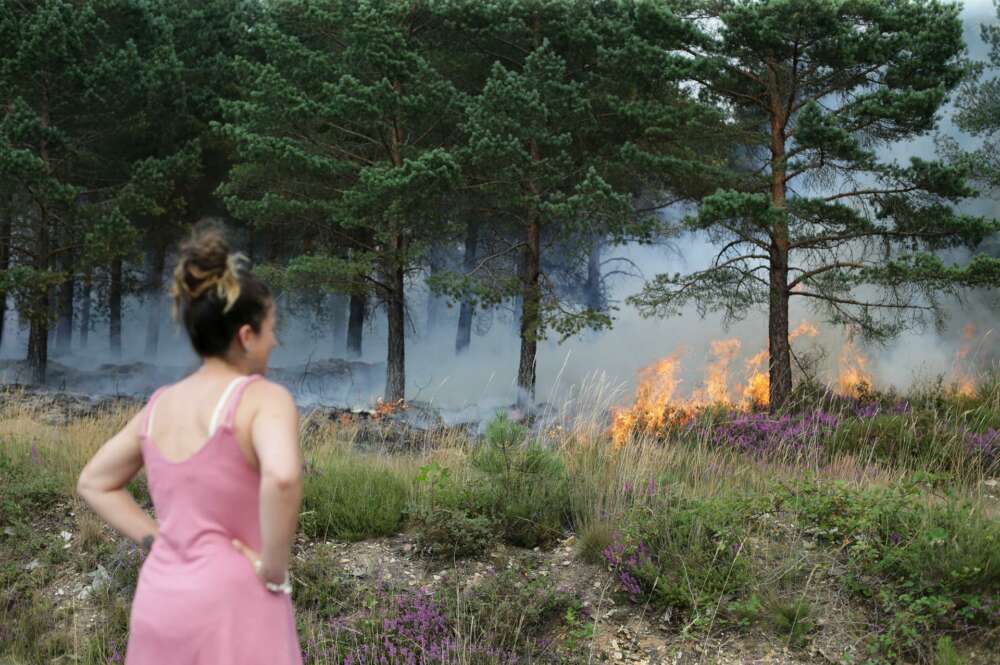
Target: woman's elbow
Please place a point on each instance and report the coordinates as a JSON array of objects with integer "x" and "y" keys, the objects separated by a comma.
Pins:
[
  {"x": 84, "y": 485},
  {"x": 286, "y": 481}
]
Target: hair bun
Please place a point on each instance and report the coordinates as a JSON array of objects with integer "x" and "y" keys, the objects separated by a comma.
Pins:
[{"x": 204, "y": 264}]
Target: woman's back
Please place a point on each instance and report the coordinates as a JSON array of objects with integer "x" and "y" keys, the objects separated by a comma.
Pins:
[
  {"x": 203, "y": 485},
  {"x": 206, "y": 493}
]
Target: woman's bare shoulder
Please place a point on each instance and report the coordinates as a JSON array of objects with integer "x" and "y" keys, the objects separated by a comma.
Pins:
[{"x": 267, "y": 393}]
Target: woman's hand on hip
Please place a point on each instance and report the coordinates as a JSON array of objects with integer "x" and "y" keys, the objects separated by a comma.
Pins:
[{"x": 265, "y": 575}]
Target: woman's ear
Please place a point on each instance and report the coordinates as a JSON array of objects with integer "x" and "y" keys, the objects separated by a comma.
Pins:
[{"x": 244, "y": 335}]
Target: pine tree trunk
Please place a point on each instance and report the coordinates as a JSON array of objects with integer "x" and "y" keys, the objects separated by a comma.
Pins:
[
  {"x": 356, "y": 324},
  {"x": 464, "y": 335},
  {"x": 592, "y": 287},
  {"x": 38, "y": 335},
  {"x": 395, "y": 370},
  {"x": 338, "y": 302},
  {"x": 156, "y": 262},
  {"x": 6, "y": 226},
  {"x": 88, "y": 283},
  {"x": 530, "y": 315},
  {"x": 779, "y": 350},
  {"x": 115, "y": 308},
  {"x": 64, "y": 327}
]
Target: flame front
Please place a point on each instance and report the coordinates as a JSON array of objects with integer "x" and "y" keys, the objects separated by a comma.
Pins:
[
  {"x": 717, "y": 372},
  {"x": 853, "y": 380},
  {"x": 757, "y": 393},
  {"x": 652, "y": 410},
  {"x": 656, "y": 407},
  {"x": 965, "y": 383}
]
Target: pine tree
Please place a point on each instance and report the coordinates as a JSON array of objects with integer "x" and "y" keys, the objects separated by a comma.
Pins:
[
  {"x": 816, "y": 87},
  {"x": 344, "y": 129},
  {"x": 576, "y": 102}
]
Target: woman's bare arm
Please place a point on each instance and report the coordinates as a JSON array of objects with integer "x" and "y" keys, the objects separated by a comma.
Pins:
[
  {"x": 102, "y": 483},
  {"x": 275, "y": 436}
]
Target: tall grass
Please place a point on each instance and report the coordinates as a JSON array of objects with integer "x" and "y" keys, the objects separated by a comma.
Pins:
[{"x": 778, "y": 514}]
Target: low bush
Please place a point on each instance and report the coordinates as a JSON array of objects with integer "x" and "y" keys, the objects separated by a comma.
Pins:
[
  {"x": 924, "y": 566},
  {"x": 683, "y": 554},
  {"x": 349, "y": 500}
]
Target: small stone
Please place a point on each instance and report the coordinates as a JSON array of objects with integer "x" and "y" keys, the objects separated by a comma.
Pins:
[
  {"x": 567, "y": 562},
  {"x": 992, "y": 482},
  {"x": 617, "y": 655},
  {"x": 8, "y": 531},
  {"x": 35, "y": 563},
  {"x": 66, "y": 535}
]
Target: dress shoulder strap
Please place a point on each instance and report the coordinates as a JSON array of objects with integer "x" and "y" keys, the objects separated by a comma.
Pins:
[
  {"x": 234, "y": 402},
  {"x": 147, "y": 421}
]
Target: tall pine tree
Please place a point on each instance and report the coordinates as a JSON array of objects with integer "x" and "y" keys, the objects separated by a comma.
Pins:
[{"x": 816, "y": 88}]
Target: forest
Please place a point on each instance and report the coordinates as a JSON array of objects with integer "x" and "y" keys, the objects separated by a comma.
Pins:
[
  {"x": 492, "y": 153},
  {"x": 399, "y": 172}
]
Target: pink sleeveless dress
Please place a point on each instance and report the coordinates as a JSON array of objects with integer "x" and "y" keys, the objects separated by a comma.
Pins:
[{"x": 198, "y": 600}]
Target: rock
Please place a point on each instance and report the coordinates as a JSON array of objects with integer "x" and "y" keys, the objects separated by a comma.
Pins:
[
  {"x": 66, "y": 535},
  {"x": 8, "y": 531},
  {"x": 99, "y": 578},
  {"x": 33, "y": 564}
]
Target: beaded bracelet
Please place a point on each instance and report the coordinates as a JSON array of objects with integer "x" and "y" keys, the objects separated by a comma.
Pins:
[{"x": 285, "y": 587}]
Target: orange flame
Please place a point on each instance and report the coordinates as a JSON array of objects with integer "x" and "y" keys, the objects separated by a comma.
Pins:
[
  {"x": 383, "y": 408},
  {"x": 656, "y": 407},
  {"x": 716, "y": 389},
  {"x": 652, "y": 410},
  {"x": 853, "y": 380},
  {"x": 757, "y": 393},
  {"x": 758, "y": 389},
  {"x": 965, "y": 383}
]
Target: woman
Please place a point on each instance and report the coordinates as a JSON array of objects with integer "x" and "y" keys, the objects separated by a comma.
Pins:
[{"x": 220, "y": 449}]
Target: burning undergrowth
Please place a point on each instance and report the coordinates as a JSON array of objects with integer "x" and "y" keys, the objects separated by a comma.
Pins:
[{"x": 950, "y": 426}]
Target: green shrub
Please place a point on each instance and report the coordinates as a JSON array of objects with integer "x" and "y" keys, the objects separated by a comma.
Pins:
[
  {"x": 945, "y": 653},
  {"x": 745, "y": 612},
  {"x": 594, "y": 539},
  {"x": 511, "y": 606},
  {"x": 453, "y": 533},
  {"x": 936, "y": 566},
  {"x": 792, "y": 619},
  {"x": 523, "y": 487},
  {"x": 26, "y": 489},
  {"x": 683, "y": 554},
  {"x": 352, "y": 501},
  {"x": 31, "y": 630}
]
